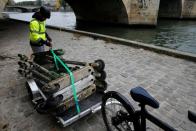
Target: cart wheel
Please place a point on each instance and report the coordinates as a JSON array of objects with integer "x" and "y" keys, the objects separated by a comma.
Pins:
[
  {"x": 29, "y": 91},
  {"x": 101, "y": 65},
  {"x": 102, "y": 75},
  {"x": 101, "y": 86}
]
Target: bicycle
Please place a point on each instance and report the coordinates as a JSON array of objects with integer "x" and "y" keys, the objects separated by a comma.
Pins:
[
  {"x": 192, "y": 116},
  {"x": 126, "y": 118}
]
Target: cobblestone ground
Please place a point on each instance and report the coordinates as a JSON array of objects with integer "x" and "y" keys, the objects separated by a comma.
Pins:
[{"x": 172, "y": 81}]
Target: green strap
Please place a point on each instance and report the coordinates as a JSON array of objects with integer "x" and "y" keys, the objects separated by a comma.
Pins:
[
  {"x": 55, "y": 61},
  {"x": 71, "y": 77}
]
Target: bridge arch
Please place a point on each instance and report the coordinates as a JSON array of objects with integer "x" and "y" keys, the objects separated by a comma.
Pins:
[
  {"x": 106, "y": 11},
  {"x": 170, "y": 8},
  {"x": 180, "y": 9}
]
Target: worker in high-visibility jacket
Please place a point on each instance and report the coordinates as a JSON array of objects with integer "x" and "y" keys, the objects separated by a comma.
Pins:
[{"x": 38, "y": 36}]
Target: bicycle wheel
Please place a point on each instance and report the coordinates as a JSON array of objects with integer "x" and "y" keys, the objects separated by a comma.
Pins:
[{"x": 118, "y": 113}]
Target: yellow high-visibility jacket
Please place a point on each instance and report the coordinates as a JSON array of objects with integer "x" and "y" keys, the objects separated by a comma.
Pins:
[{"x": 37, "y": 32}]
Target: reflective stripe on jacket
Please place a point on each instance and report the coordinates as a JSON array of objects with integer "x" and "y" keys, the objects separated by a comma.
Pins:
[{"x": 37, "y": 32}]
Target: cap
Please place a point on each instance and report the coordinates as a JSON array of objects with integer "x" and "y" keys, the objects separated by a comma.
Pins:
[{"x": 45, "y": 12}]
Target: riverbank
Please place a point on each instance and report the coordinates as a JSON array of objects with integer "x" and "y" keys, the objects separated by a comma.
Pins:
[
  {"x": 57, "y": 22},
  {"x": 170, "y": 80},
  {"x": 173, "y": 34}
]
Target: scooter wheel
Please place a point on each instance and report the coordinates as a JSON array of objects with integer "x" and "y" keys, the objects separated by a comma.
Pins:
[
  {"x": 60, "y": 111},
  {"x": 101, "y": 86},
  {"x": 102, "y": 76},
  {"x": 101, "y": 65},
  {"x": 54, "y": 101},
  {"x": 52, "y": 90},
  {"x": 40, "y": 108}
]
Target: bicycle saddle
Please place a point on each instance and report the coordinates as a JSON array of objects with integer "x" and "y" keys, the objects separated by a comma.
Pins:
[{"x": 140, "y": 95}]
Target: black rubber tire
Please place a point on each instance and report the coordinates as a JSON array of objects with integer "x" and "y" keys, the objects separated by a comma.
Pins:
[
  {"x": 49, "y": 105},
  {"x": 103, "y": 75},
  {"x": 52, "y": 90},
  {"x": 101, "y": 86},
  {"x": 53, "y": 102},
  {"x": 60, "y": 111},
  {"x": 124, "y": 102},
  {"x": 101, "y": 65},
  {"x": 192, "y": 116}
]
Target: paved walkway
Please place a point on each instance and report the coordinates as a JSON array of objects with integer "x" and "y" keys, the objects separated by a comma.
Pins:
[{"x": 172, "y": 81}]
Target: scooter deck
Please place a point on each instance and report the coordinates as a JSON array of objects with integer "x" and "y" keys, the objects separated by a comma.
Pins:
[{"x": 87, "y": 106}]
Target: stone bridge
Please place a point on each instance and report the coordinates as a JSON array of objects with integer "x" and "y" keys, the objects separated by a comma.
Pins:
[
  {"x": 131, "y": 12},
  {"x": 23, "y": 8},
  {"x": 116, "y": 11},
  {"x": 140, "y": 12}
]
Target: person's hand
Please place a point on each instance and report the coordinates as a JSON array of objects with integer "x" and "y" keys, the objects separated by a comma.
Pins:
[{"x": 49, "y": 44}]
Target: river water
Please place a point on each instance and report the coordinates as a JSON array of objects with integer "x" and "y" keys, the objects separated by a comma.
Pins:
[{"x": 175, "y": 34}]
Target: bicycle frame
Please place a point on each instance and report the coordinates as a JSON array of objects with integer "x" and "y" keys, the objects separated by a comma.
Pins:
[
  {"x": 144, "y": 114},
  {"x": 128, "y": 117}
]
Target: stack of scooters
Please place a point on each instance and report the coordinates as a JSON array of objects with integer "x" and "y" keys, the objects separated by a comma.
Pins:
[{"x": 49, "y": 83}]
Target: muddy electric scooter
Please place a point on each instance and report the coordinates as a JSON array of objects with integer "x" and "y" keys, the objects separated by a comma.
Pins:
[{"x": 51, "y": 90}]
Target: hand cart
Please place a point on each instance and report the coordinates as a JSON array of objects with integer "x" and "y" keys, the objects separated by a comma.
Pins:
[{"x": 50, "y": 88}]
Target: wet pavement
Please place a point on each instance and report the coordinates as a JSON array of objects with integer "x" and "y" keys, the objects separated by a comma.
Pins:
[{"x": 170, "y": 80}]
